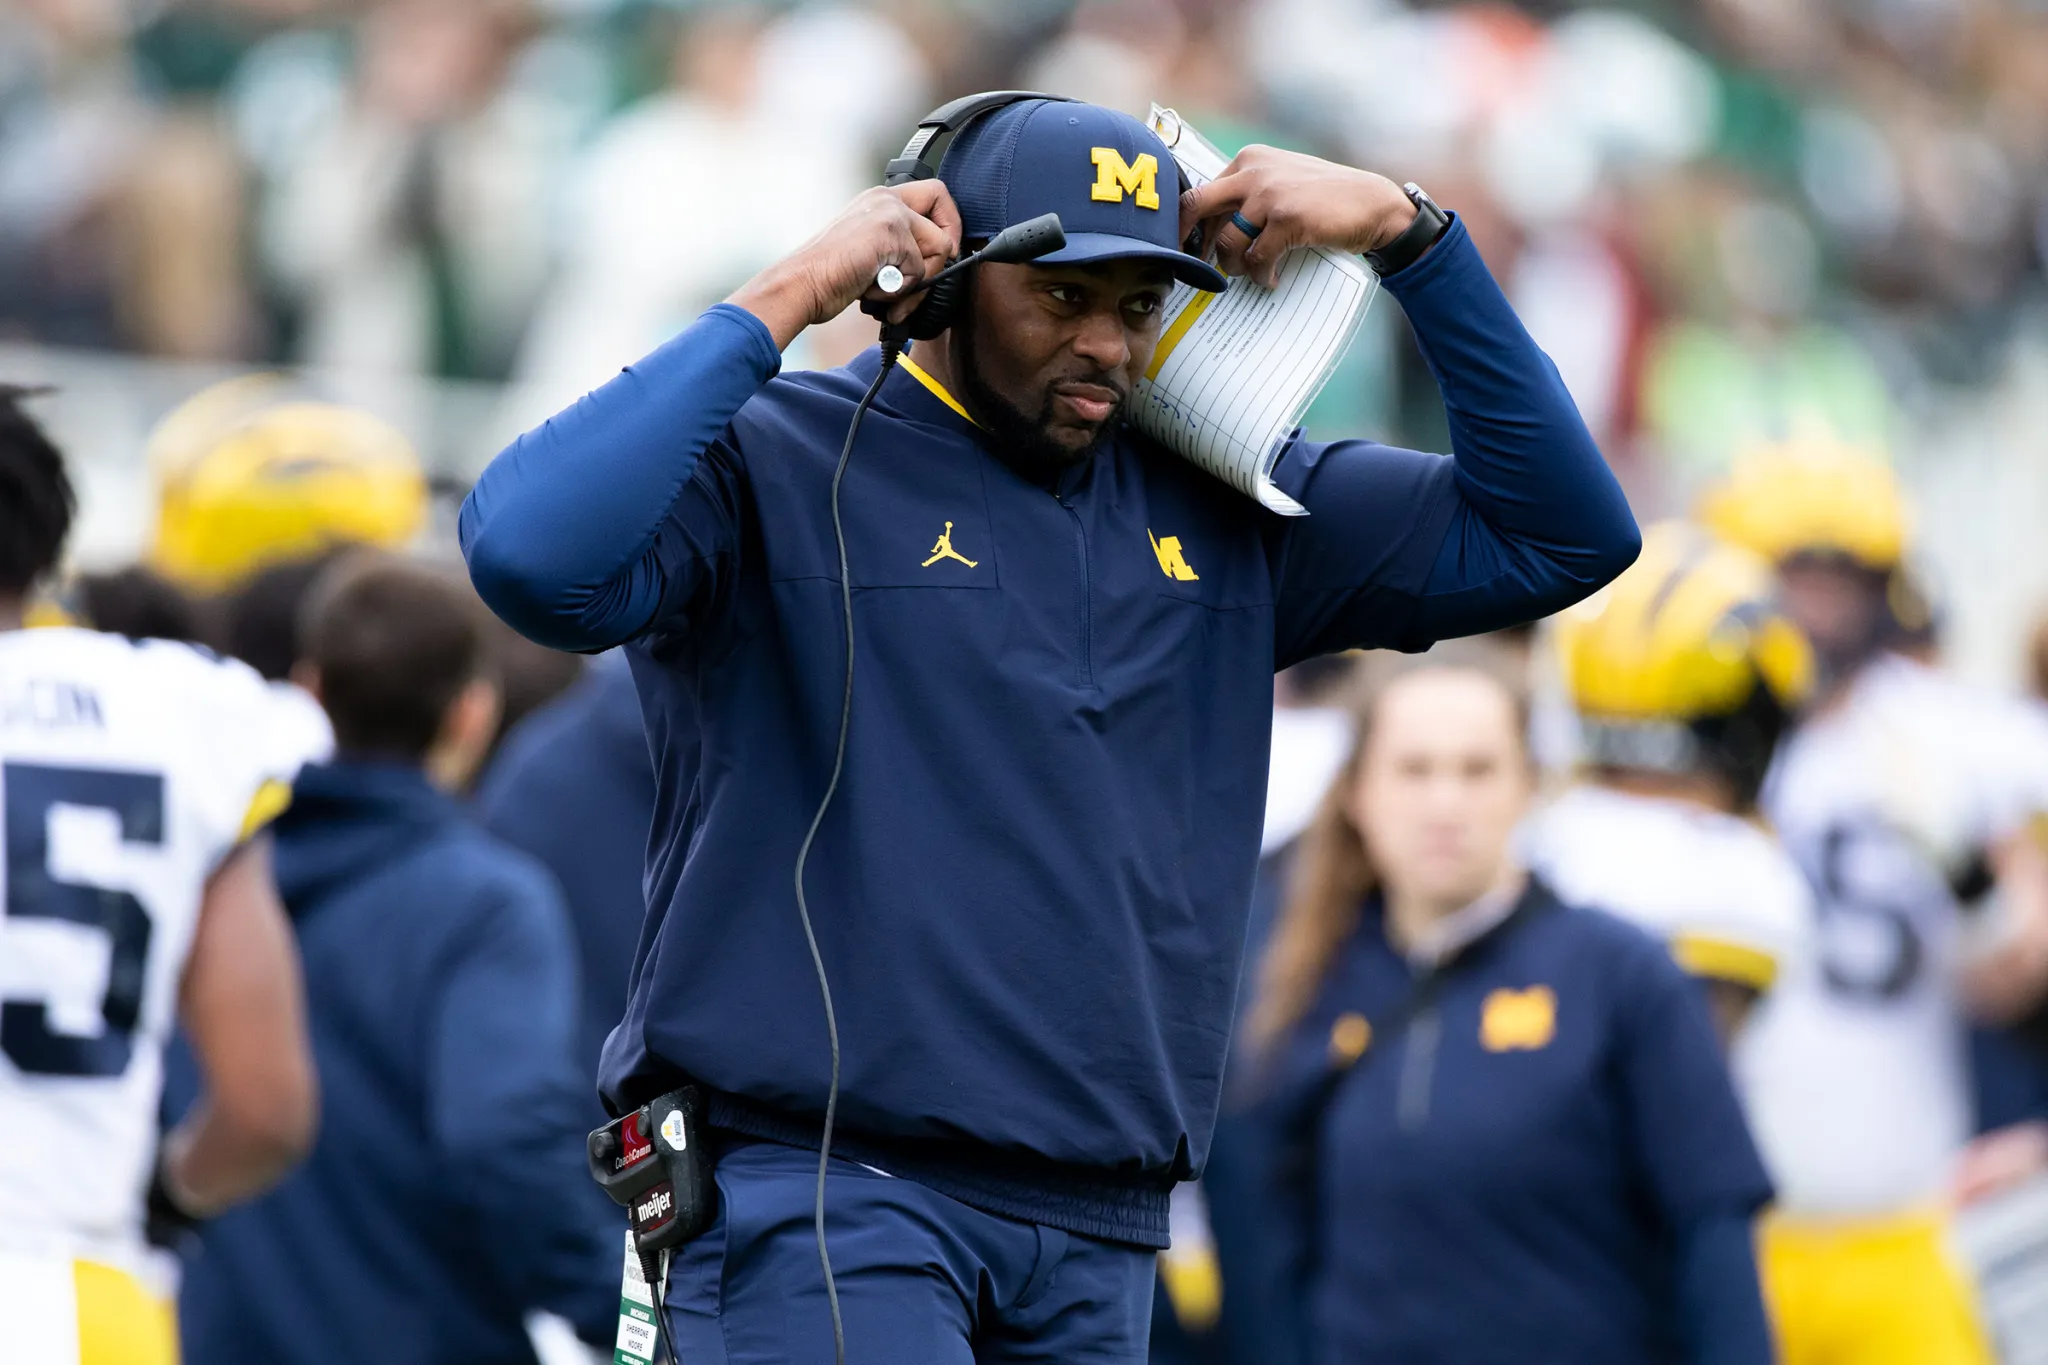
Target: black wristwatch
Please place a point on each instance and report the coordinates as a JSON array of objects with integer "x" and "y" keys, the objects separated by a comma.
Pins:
[{"x": 1430, "y": 223}]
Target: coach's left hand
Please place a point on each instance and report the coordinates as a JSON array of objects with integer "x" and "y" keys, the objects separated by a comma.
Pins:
[{"x": 1294, "y": 200}]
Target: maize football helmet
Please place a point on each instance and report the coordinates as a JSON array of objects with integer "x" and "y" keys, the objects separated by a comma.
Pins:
[{"x": 1686, "y": 664}]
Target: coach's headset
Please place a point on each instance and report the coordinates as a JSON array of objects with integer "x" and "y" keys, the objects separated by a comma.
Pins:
[{"x": 922, "y": 158}]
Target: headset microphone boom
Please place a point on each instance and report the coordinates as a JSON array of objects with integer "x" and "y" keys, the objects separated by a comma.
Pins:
[{"x": 1020, "y": 242}]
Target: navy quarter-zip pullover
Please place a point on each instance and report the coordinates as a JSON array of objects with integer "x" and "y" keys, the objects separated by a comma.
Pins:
[
  {"x": 1031, "y": 890},
  {"x": 1546, "y": 1166}
]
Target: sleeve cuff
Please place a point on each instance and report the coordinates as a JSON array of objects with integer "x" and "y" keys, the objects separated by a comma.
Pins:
[
  {"x": 1451, "y": 259},
  {"x": 761, "y": 342}
]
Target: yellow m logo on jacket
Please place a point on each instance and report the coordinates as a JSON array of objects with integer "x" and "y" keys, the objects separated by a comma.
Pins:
[
  {"x": 1173, "y": 562},
  {"x": 1518, "y": 1021},
  {"x": 1114, "y": 177}
]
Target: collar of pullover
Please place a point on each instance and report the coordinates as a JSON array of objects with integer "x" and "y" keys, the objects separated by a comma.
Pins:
[{"x": 912, "y": 393}]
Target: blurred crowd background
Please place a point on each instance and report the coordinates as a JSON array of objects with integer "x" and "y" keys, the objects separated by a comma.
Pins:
[
  {"x": 1728, "y": 220},
  {"x": 1732, "y": 223}
]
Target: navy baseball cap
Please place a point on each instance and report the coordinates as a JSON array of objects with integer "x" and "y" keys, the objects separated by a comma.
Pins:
[{"x": 1110, "y": 179}]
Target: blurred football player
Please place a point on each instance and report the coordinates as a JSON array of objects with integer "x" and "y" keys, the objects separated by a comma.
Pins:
[
  {"x": 135, "y": 890},
  {"x": 1907, "y": 800},
  {"x": 256, "y": 488},
  {"x": 249, "y": 474},
  {"x": 1684, "y": 674}
]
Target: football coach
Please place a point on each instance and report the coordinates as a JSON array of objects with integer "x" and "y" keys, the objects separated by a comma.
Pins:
[{"x": 1030, "y": 891}]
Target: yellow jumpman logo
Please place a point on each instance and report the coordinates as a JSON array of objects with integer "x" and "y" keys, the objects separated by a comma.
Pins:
[{"x": 944, "y": 550}]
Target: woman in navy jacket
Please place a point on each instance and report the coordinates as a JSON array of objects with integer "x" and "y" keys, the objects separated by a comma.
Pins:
[{"x": 1507, "y": 1133}]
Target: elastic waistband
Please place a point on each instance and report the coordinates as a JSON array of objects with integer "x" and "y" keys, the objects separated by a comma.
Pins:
[{"x": 1076, "y": 1199}]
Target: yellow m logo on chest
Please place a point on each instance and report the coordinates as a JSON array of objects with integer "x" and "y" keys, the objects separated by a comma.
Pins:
[
  {"x": 1173, "y": 561},
  {"x": 1114, "y": 177},
  {"x": 1518, "y": 1021}
]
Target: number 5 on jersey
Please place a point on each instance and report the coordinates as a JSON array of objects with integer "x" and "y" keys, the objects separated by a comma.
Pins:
[{"x": 32, "y": 793}]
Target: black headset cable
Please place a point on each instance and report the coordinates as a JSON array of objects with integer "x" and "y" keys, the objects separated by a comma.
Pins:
[
  {"x": 892, "y": 347},
  {"x": 654, "y": 1268}
]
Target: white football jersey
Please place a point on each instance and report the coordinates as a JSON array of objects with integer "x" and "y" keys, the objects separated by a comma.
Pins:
[
  {"x": 1709, "y": 883},
  {"x": 128, "y": 772},
  {"x": 1855, "y": 1072}
]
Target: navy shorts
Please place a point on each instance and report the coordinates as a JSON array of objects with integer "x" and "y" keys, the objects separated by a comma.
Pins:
[{"x": 923, "y": 1279}]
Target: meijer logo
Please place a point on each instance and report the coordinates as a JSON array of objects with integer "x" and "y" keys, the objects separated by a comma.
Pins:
[{"x": 656, "y": 1205}]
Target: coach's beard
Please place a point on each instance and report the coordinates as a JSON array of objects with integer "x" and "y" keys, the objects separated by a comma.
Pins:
[{"x": 1022, "y": 440}]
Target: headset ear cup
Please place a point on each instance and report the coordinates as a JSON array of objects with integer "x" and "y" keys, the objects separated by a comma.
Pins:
[{"x": 941, "y": 302}]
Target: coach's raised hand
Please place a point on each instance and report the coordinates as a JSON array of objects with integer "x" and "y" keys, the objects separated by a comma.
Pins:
[
  {"x": 914, "y": 227},
  {"x": 1292, "y": 200}
]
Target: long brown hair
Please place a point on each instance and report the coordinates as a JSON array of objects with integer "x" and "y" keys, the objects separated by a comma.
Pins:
[{"x": 1332, "y": 873}]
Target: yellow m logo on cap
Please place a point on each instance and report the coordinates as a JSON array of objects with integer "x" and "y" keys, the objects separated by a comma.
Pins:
[{"x": 1114, "y": 177}]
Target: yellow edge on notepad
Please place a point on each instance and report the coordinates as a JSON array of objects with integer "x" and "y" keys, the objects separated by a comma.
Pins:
[{"x": 1178, "y": 330}]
